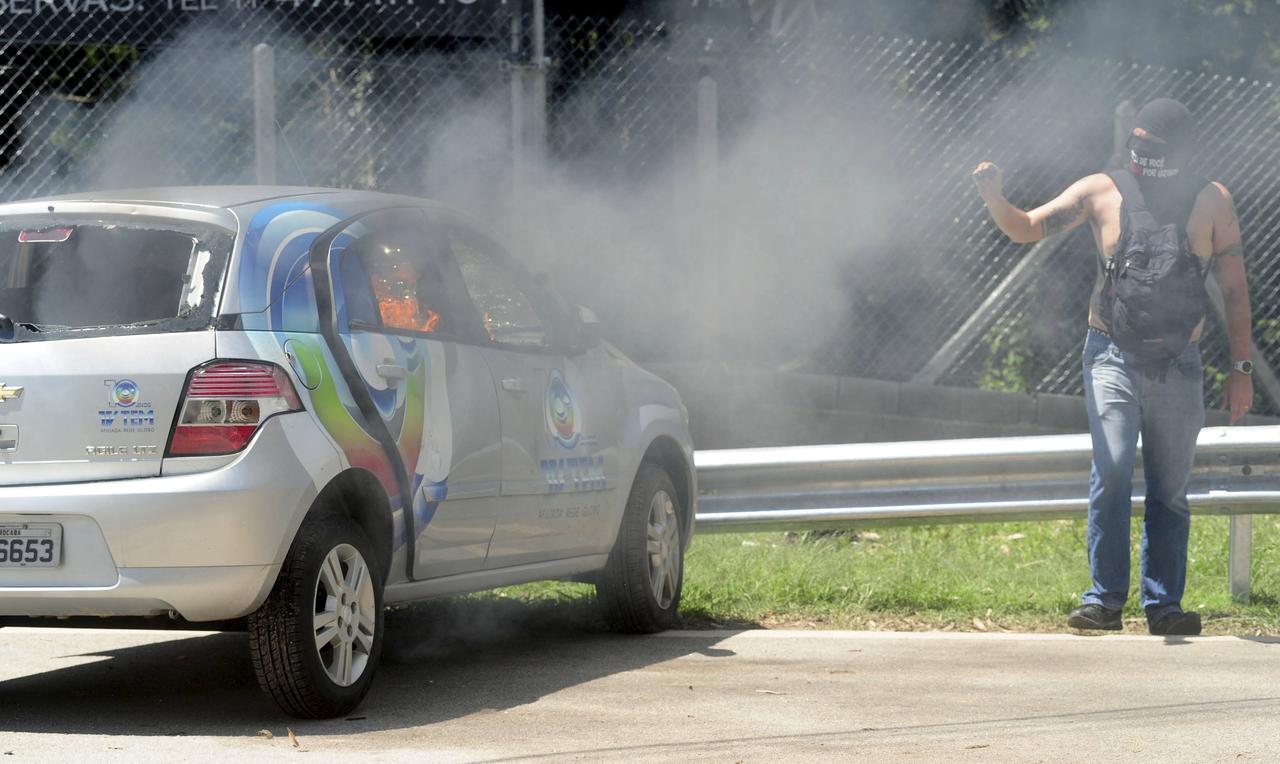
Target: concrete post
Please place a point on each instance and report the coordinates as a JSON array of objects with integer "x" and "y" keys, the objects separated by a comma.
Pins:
[
  {"x": 536, "y": 121},
  {"x": 707, "y": 231},
  {"x": 708, "y": 143},
  {"x": 528, "y": 112},
  {"x": 529, "y": 96},
  {"x": 517, "y": 109},
  {"x": 264, "y": 113}
]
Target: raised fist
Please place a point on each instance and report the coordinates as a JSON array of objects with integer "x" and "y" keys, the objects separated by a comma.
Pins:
[{"x": 989, "y": 180}]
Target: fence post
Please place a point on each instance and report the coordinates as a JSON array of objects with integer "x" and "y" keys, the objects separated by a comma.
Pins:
[
  {"x": 264, "y": 113},
  {"x": 528, "y": 114},
  {"x": 517, "y": 108},
  {"x": 708, "y": 167},
  {"x": 528, "y": 98},
  {"x": 537, "y": 102}
]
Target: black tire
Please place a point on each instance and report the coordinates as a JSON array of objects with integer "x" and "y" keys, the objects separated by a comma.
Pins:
[
  {"x": 627, "y": 587},
  {"x": 283, "y": 632}
]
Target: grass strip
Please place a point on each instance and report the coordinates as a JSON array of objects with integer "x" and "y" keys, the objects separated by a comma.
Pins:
[{"x": 974, "y": 577}]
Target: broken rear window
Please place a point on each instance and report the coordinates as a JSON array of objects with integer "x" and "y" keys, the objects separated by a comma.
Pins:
[{"x": 60, "y": 277}]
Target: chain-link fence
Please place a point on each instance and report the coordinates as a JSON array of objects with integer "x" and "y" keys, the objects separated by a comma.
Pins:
[
  {"x": 179, "y": 108},
  {"x": 798, "y": 200}
]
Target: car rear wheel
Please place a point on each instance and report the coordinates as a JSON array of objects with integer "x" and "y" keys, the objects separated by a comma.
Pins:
[
  {"x": 639, "y": 589},
  {"x": 315, "y": 641}
]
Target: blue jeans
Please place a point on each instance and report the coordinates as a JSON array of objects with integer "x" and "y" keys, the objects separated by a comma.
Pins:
[{"x": 1168, "y": 410}]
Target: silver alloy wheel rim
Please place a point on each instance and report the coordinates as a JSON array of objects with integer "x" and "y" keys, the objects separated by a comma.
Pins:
[
  {"x": 345, "y": 615},
  {"x": 663, "y": 545}
]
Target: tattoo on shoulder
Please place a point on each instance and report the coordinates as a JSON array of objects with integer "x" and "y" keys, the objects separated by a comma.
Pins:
[
  {"x": 1060, "y": 220},
  {"x": 1232, "y": 250}
]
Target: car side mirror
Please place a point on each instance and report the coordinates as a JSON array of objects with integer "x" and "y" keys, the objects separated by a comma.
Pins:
[{"x": 587, "y": 330}]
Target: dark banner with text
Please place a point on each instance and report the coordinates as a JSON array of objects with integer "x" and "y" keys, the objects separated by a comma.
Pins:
[{"x": 147, "y": 21}]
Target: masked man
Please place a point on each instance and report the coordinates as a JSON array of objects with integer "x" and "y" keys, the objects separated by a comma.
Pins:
[{"x": 1157, "y": 231}]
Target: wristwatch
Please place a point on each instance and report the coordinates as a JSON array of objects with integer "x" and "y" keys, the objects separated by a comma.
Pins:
[{"x": 1244, "y": 367}]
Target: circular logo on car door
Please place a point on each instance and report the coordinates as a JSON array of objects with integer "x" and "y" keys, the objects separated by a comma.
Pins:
[{"x": 563, "y": 419}]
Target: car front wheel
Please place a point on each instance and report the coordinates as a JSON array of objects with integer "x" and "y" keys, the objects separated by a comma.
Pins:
[
  {"x": 639, "y": 589},
  {"x": 315, "y": 641}
]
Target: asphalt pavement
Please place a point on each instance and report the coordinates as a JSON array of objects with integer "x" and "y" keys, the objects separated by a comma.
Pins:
[{"x": 564, "y": 694}]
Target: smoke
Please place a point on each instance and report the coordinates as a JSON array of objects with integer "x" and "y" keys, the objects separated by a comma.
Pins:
[
  {"x": 835, "y": 212},
  {"x": 186, "y": 120},
  {"x": 743, "y": 255},
  {"x": 437, "y": 628}
]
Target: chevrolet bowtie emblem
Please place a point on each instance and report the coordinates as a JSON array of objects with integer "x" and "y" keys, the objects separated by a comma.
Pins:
[{"x": 9, "y": 393}]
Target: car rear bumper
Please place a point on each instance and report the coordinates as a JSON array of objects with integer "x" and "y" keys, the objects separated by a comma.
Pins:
[
  {"x": 196, "y": 594},
  {"x": 206, "y": 545}
]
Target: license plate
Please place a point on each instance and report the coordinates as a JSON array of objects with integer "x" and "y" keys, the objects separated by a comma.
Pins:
[{"x": 30, "y": 545}]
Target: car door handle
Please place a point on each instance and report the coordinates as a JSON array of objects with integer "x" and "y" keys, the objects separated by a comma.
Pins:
[
  {"x": 514, "y": 385},
  {"x": 390, "y": 371}
]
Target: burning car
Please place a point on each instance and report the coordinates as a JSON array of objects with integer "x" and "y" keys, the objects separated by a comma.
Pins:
[{"x": 296, "y": 406}]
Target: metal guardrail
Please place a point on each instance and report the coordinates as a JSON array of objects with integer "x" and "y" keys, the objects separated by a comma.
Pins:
[{"x": 1236, "y": 472}]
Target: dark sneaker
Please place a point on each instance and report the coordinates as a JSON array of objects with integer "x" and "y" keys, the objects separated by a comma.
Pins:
[
  {"x": 1095, "y": 617},
  {"x": 1174, "y": 622}
]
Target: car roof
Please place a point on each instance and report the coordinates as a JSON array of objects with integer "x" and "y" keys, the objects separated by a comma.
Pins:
[
  {"x": 222, "y": 197},
  {"x": 221, "y": 205}
]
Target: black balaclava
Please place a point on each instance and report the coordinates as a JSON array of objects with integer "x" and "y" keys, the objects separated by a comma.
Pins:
[{"x": 1160, "y": 166}]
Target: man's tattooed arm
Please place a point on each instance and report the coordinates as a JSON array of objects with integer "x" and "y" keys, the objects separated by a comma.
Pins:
[
  {"x": 1232, "y": 250},
  {"x": 1062, "y": 219}
]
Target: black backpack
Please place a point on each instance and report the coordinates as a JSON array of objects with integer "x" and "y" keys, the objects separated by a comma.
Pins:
[{"x": 1153, "y": 294}]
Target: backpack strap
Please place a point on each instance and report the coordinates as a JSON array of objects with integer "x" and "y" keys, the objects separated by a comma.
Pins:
[
  {"x": 1130, "y": 199},
  {"x": 1130, "y": 193},
  {"x": 1194, "y": 187}
]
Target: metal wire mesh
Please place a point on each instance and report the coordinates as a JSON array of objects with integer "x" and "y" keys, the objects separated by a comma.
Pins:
[
  {"x": 874, "y": 142},
  {"x": 352, "y": 108}
]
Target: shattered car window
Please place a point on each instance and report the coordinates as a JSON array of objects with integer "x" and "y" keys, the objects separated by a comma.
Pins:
[{"x": 106, "y": 277}]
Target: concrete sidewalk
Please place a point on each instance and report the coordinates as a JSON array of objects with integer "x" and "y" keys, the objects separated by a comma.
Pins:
[{"x": 547, "y": 695}]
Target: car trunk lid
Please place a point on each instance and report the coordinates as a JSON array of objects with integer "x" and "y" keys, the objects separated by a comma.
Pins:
[
  {"x": 103, "y": 317},
  {"x": 98, "y": 408}
]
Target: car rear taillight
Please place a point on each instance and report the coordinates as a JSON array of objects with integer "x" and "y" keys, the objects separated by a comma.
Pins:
[{"x": 225, "y": 403}]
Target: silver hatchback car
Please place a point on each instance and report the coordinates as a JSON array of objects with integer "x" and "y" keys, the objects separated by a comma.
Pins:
[{"x": 296, "y": 406}]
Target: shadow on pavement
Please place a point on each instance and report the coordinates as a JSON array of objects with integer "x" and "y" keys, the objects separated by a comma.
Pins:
[
  {"x": 862, "y": 743},
  {"x": 441, "y": 661}
]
